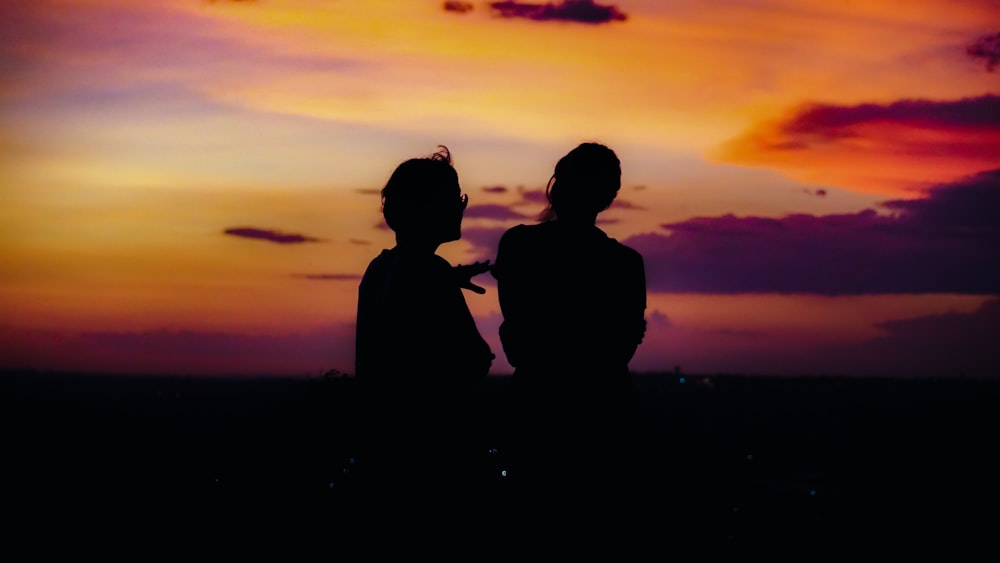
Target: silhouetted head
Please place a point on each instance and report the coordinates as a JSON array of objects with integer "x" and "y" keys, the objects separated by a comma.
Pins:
[
  {"x": 584, "y": 183},
  {"x": 423, "y": 201}
]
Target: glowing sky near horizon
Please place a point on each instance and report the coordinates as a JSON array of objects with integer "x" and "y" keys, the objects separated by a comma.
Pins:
[{"x": 190, "y": 186}]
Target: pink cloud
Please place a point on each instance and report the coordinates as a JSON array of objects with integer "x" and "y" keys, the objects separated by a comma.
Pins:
[{"x": 882, "y": 148}]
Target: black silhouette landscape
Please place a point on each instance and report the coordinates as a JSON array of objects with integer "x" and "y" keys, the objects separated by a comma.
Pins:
[{"x": 727, "y": 460}]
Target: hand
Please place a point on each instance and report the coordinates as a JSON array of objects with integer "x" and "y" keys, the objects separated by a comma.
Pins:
[{"x": 464, "y": 274}]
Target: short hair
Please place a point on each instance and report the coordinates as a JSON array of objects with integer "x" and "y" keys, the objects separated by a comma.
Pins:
[
  {"x": 586, "y": 180},
  {"x": 415, "y": 184}
]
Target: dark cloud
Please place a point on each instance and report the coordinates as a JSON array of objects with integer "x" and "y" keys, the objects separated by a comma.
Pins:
[
  {"x": 358, "y": 241},
  {"x": 328, "y": 277},
  {"x": 827, "y": 121},
  {"x": 986, "y": 48},
  {"x": 815, "y": 126},
  {"x": 369, "y": 191},
  {"x": 892, "y": 148},
  {"x": 582, "y": 11},
  {"x": 971, "y": 207},
  {"x": 495, "y": 189},
  {"x": 269, "y": 235},
  {"x": 492, "y": 211},
  {"x": 948, "y": 242},
  {"x": 458, "y": 7}
]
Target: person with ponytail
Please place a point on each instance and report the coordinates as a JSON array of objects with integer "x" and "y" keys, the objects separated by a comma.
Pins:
[{"x": 573, "y": 302}]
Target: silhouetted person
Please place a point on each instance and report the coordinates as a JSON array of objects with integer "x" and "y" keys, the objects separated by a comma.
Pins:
[
  {"x": 419, "y": 355},
  {"x": 573, "y": 303}
]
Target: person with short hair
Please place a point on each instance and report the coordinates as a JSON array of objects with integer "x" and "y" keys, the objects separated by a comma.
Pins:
[{"x": 419, "y": 355}]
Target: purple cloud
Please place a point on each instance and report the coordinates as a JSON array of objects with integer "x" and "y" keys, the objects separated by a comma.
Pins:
[
  {"x": 828, "y": 121},
  {"x": 947, "y": 242},
  {"x": 987, "y": 48},
  {"x": 971, "y": 206},
  {"x": 495, "y": 189},
  {"x": 269, "y": 235},
  {"x": 815, "y": 126},
  {"x": 582, "y": 11}
]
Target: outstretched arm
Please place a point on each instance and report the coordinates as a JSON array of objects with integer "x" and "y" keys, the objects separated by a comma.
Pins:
[{"x": 463, "y": 274}]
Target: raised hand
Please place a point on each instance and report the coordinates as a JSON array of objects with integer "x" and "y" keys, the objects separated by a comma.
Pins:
[{"x": 464, "y": 273}]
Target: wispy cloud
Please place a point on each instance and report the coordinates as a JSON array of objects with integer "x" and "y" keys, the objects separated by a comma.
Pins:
[
  {"x": 948, "y": 242},
  {"x": 457, "y": 7},
  {"x": 986, "y": 48},
  {"x": 582, "y": 11},
  {"x": 269, "y": 235}
]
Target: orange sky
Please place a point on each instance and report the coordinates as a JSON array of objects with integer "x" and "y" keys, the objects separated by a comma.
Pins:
[{"x": 135, "y": 134}]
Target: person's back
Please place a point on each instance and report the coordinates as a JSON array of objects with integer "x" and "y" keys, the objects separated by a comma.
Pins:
[
  {"x": 416, "y": 336},
  {"x": 573, "y": 303}
]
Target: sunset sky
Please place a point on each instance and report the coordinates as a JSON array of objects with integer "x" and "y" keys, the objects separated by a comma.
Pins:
[{"x": 191, "y": 186}]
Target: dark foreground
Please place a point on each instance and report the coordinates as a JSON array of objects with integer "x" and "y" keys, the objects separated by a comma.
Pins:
[{"x": 728, "y": 462}]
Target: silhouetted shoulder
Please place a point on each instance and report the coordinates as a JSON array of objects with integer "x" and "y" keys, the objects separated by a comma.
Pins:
[{"x": 553, "y": 243}]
